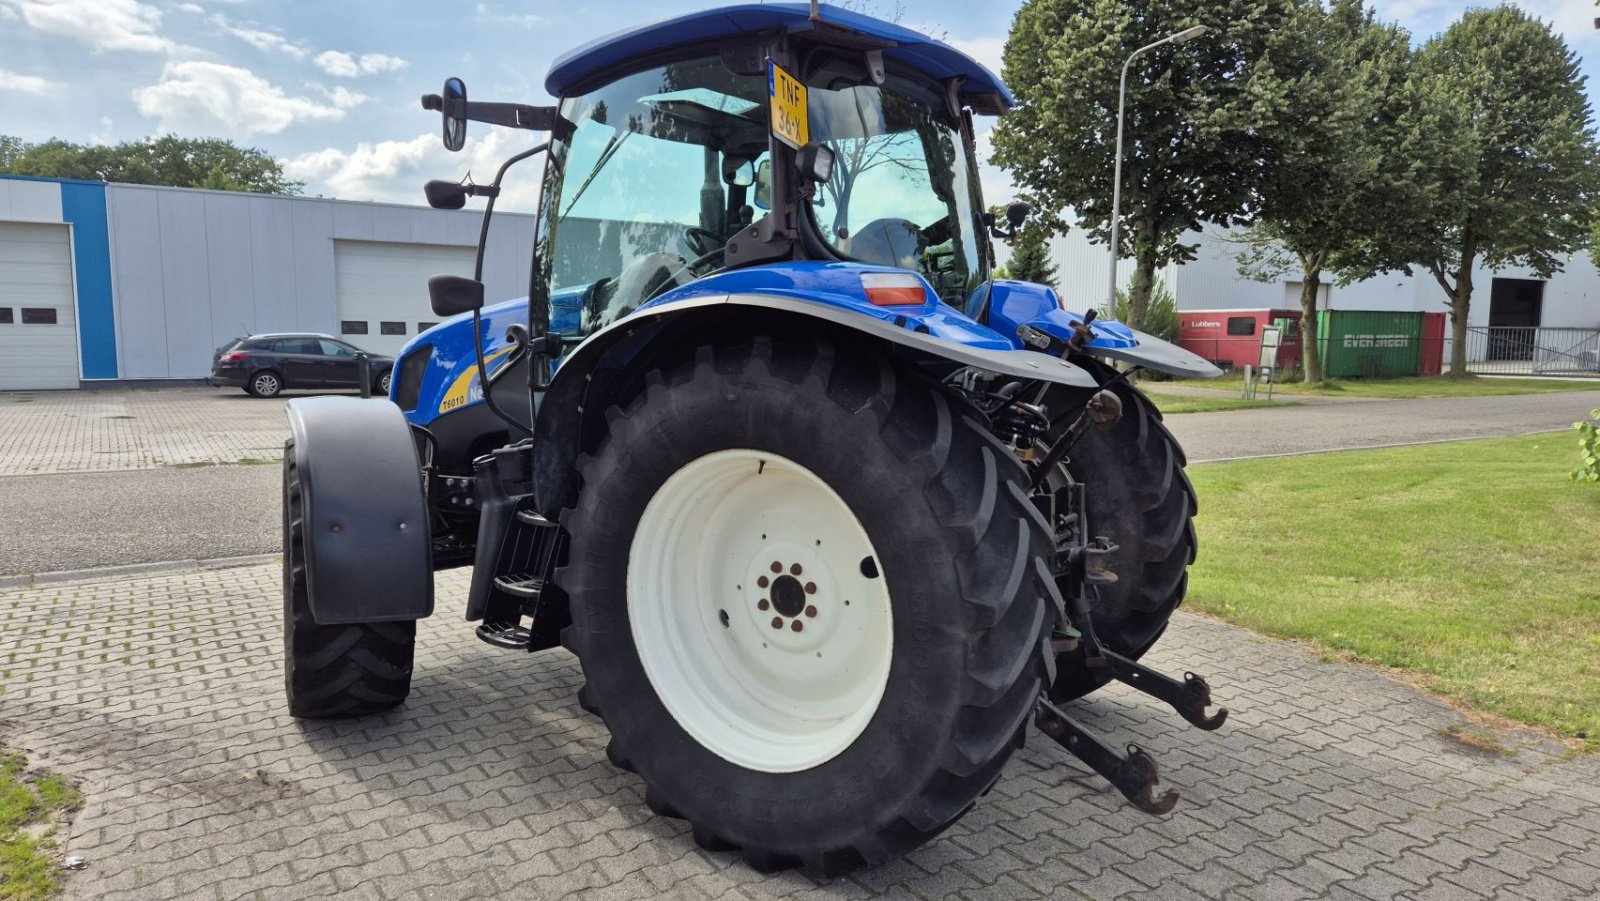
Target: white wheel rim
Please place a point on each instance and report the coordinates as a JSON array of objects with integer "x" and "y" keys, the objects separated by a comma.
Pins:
[
  {"x": 704, "y": 605},
  {"x": 266, "y": 384}
]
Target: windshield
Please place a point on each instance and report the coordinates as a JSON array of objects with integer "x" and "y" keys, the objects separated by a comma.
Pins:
[
  {"x": 901, "y": 193},
  {"x": 654, "y": 179}
]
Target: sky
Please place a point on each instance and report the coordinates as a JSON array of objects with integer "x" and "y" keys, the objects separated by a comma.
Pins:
[{"x": 331, "y": 88}]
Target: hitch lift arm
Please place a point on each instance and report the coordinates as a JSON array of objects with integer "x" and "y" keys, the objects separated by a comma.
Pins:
[{"x": 1082, "y": 565}]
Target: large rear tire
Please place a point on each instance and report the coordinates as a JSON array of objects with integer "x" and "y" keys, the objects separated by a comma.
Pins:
[
  {"x": 341, "y": 670},
  {"x": 845, "y": 707},
  {"x": 1137, "y": 495}
]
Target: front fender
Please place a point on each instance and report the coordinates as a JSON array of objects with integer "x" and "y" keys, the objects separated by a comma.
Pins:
[
  {"x": 365, "y": 517},
  {"x": 1116, "y": 341}
]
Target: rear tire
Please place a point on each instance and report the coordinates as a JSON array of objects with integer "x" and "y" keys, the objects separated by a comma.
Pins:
[
  {"x": 341, "y": 670},
  {"x": 265, "y": 383},
  {"x": 381, "y": 386},
  {"x": 1139, "y": 497},
  {"x": 756, "y": 762}
]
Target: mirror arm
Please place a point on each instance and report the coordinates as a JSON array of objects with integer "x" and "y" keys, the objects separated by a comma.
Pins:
[
  {"x": 477, "y": 274},
  {"x": 511, "y": 115}
]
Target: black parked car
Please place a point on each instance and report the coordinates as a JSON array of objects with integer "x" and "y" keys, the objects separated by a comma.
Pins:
[{"x": 264, "y": 365}]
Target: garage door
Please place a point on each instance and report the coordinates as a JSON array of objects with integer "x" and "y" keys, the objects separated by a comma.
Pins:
[
  {"x": 382, "y": 289},
  {"x": 38, "y": 331}
]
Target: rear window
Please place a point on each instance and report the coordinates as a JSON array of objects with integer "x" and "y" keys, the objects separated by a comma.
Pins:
[
  {"x": 1241, "y": 325},
  {"x": 297, "y": 346}
]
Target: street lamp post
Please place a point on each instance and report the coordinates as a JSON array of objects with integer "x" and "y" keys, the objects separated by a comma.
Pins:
[{"x": 1188, "y": 34}]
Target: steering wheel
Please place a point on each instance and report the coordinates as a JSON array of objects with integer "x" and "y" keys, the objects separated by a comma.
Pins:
[
  {"x": 686, "y": 269},
  {"x": 700, "y": 241}
]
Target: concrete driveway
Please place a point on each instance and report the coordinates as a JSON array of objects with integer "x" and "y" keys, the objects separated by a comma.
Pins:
[{"x": 163, "y": 695}]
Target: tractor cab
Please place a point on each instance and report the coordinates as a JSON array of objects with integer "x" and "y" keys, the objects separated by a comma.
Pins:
[{"x": 666, "y": 170}]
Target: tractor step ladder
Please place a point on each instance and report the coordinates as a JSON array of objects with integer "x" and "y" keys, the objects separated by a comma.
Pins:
[{"x": 525, "y": 583}]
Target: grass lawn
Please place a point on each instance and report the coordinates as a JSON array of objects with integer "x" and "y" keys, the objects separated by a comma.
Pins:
[
  {"x": 1191, "y": 403},
  {"x": 1421, "y": 386},
  {"x": 30, "y": 805},
  {"x": 1473, "y": 564}
]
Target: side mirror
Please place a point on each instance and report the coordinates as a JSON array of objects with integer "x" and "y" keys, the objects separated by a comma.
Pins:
[
  {"x": 740, "y": 173},
  {"x": 1016, "y": 213},
  {"x": 763, "y": 198},
  {"x": 454, "y": 294},
  {"x": 445, "y": 195},
  {"x": 454, "y": 111}
]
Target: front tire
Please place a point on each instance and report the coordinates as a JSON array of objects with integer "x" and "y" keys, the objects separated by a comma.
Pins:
[
  {"x": 916, "y": 562},
  {"x": 351, "y": 669},
  {"x": 381, "y": 385}
]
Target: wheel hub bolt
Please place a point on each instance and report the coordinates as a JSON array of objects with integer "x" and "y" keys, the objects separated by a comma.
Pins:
[
  {"x": 811, "y": 611},
  {"x": 762, "y": 604},
  {"x": 777, "y": 567},
  {"x": 794, "y": 570},
  {"x": 777, "y": 622},
  {"x": 811, "y": 587},
  {"x": 797, "y": 625},
  {"x": 762, "y": 582}
]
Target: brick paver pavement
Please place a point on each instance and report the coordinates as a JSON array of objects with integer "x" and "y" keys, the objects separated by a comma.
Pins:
[
  {"x": 162, "y": 694},
  {"x": 101, "y": 431}
]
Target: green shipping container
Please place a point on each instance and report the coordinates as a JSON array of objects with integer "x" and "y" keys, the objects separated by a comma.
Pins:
[{"x": 1369, "y": 343}]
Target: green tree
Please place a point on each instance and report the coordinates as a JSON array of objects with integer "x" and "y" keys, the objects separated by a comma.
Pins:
[
  {"x": 1512, "y": 173},
  {"x": 1030, "y": 256},
  {"x": 168, "y": 160},
  {"x": 1340, "y": 179},
  {"x": 1161, "y": 319},
  {"x": 1203, "y": 118}
]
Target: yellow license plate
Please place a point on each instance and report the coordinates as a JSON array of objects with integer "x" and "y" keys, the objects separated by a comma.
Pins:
[{"x": 789, "y": 122}]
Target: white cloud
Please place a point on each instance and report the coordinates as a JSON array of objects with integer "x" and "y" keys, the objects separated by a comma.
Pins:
[
  {"x": 338, "y": 64},
  {"x": 394, "y": 171},
  {"x": 213, "y": 99},
  {"x": 373, "y": 63},
  {"x": 108, "y": 130},
  {"x": 345, "y": 65},
  {"x": 191, "y": 8},
  {"x": 100, "y": 25},
  {"x": 263, "y": 40},
  {"x": 26, "y": 84},
  {"x": 488, "y": 13},
  {"x": 342, "y": 97}
]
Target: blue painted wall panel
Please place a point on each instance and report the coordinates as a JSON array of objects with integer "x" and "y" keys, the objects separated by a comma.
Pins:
[{"x": 84, "y": 205}]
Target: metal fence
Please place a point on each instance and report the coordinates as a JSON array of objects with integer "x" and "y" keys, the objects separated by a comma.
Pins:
[{"x": 1524, "y": 350}]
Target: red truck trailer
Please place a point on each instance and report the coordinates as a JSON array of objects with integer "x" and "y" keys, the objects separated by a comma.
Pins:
[{"x": 1232, "y": 338}]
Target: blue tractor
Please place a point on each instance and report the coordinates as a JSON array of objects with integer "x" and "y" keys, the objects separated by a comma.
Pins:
[{"x": 826, "y": 511}]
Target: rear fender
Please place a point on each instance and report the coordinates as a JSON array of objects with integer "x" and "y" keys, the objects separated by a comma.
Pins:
[
  {"x": 366, "y": 518},
  {"x": 592, "y": 375}
]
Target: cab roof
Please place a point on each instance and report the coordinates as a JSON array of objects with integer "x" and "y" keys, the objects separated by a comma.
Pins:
[{"x": 913, "y": 49}]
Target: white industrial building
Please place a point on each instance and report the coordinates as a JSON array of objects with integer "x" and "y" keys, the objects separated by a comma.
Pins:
[
  {"x": 105, "y": 283},
  {"x": 1505, "y": 297}
]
